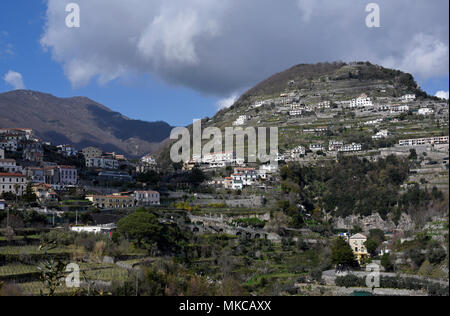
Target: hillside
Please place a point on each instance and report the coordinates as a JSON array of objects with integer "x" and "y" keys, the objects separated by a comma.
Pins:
[
  {"x": 79, "y": 121},
  {"x": 304, "y": 87},
  {"x": 336, "y": 81}
]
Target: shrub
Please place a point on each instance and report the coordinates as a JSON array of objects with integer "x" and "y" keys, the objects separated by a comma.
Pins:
[{"x": 350, "y": 281}]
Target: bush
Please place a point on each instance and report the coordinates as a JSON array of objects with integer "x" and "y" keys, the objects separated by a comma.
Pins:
[{"x": 350, "y": 281}]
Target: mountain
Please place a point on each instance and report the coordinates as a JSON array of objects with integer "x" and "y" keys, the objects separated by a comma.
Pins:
[
  {"x": 306, "y": 86},
  {"x": 81, "y": 122},
  {"x": 338, "y": 81}
]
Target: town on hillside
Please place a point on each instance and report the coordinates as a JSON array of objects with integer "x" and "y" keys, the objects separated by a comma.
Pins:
[{"x": 361, "y": 185}]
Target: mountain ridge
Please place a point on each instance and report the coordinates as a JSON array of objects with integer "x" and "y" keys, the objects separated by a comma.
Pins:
[{"x": 80, "y": 121}]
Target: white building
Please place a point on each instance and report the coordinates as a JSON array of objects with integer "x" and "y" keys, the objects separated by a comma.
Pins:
[
  {"x": 269, "y": 168},
  {"x": 362, "y": 101},
  {"x": 397, "y": 108},
  {"x": 297, "y": 152},
  {"x": 324, "y": 105},
  {"x": 67, "y": 150},
  {"x": 146, "y": 198},
  {"x": 335, "y": 145},
  {"x": 425, "y": 111},
  {"x": 241, "y": 120},
  {"x": 258, "y": 104},
  {"x": 316, "y": 147},
  {"x": 381, "y": 134},
  {"x": 8, "y": 144},
  {"x": 374, "y": 122},
  {"x": 9, "y": 165},
  {"x": 351, "y": 148},
  {"x": 103, "y": 163},
  {"x": 424, "y": 141},
  {"x": 295, "y": 112},
  {"x": 408, "y": 98},
  {"x": 13, "y": 183},
  {"x": 241, "y": 178},
  {"x": 148, "y": 159},
  {"x": 101, "y": 229}
]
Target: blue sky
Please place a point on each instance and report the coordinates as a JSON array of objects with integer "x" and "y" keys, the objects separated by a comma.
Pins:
[
  {"x": 202, "y": 64},
  {"x": 144, "y": 97}
]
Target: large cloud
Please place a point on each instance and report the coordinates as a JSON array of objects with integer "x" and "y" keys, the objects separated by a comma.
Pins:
[
  {"x": 14, "y": 79},
  {"x": 220, "y": 47},
  {"x": 442, "y": 94}
]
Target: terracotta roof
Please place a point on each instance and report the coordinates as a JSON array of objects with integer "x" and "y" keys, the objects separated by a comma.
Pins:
[
  {"x": 147, "y": 192},
  {"x": 7, "y": 160},
  {"x": 12, "y": 175}
]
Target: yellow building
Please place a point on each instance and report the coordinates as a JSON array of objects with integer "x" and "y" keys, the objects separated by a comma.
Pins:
[
  {"x": 111, "y": 201},
  {"x": 357, "y": 243}
]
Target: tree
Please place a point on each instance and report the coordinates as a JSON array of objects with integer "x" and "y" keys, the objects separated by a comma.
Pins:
[
  {"x": 413, "y": 154},
  {"x": 386, "y": 262},
  {"x": 141, "y": 226},
  {"x": 196, "y": 176},
  {"x": 342, "y": 255},
  {"x": 372, "y": 247},
  {"x": 29, "y": 196}
]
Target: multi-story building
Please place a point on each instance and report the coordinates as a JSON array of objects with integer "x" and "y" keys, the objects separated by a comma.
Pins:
[
  {"x": 316, "y": 147},
  {"x": 35, "y": 174},
  {"x": 12, "y": 182},
  {"x": 67, "y": 175},
  {"x": 146, "y": 198},
  {"x": 102, "y": 163},
  {"x": 238, "y": 183},
  {"x": 335, "y": 145},
  {"x": 111, "y": 201},
  {"x": 398, "y": 108},
  {"x": 9, "y": 165},
  {"x": 44, "y": 192},
  {"x": 351, "y": 147},
  {"x": 16, "y": 133},
  {"x": 295, "y": 112},
  {"x": 358, "y": 244},
  {"x": 324, "y": 105},
  {"x": 67, "y": 150},
  {"x": 362, "y": 101},
  {"x": 408, "y": 98},
  {"x": 424, "y": 141},
  {"x": 2, "y": 153},
  {"x": 91, "y": 152},
  {"x": 9, "y": 144}
]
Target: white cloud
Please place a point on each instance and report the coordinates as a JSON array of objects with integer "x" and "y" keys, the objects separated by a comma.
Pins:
[
  {"x": 218, "y": 47},
  {"x": 426, "y": 56},
  {"x": 442, "y": 94},
  {"x": 15, "y": 80},
  {"x": 227, "y": 102}
]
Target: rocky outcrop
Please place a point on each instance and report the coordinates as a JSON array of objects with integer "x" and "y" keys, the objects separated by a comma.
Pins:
[{"x": 374, "y": 222}]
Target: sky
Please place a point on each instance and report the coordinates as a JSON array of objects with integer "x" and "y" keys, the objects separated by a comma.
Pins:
[{"x": 177, "y": 60}]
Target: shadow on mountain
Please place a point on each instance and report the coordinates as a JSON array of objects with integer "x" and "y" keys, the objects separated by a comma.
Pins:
[{"x": 122, "y": 128}]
